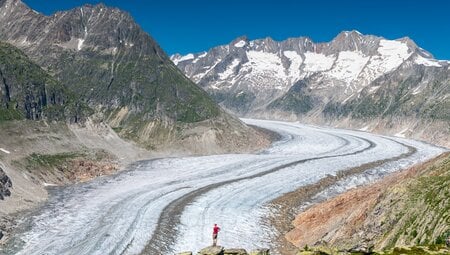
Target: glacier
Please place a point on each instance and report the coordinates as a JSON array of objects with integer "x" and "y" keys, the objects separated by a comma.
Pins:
[{"x": 167, "y": 205}]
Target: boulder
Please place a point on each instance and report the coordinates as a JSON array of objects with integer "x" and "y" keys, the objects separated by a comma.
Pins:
[
  {"x": 260, "y": 252},
  {"x": 211, "y": 250},
  {"x": 363, "y": 248},
  {"x": 5, "y": 185},
  {"x": 235, "y": 252},
  {"x": 307, "y": 253}
]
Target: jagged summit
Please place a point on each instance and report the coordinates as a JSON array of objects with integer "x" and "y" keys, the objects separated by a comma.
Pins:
[
  {"x": 351, "y": 60},
  {"x": 240, "y": 41},
  {"x": 101, "y": 54},
  {"x": 352, "y": 76}
]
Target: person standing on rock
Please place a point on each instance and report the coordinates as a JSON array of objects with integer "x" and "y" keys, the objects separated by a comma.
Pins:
[{"x": 216, "y": 230}]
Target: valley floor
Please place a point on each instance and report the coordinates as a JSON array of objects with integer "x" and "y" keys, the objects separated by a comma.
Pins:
[
  {"x": 37, "y": 155},
  {"x": 167, "y": 205}
]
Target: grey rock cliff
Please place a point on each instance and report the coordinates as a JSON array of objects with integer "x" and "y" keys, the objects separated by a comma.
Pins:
[
  {"x": 28, "y": 92},
  {"x": 101, "y": 55},
  {"x": 5, "y": 185}
]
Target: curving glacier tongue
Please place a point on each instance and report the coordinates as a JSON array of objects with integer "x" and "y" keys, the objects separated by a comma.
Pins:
[{"x": 166, "y": 205}]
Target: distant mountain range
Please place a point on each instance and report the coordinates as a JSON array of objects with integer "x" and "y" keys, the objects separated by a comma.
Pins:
[
  {"x": 111, "y": 67},
  {"x": 350, "y": 81}
]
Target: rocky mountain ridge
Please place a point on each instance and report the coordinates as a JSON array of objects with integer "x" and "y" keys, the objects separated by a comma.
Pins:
[
  {"x": 357, "y": 81},
  {"x": 5, "y": 185},
  {"x": 100, "y": 54}
]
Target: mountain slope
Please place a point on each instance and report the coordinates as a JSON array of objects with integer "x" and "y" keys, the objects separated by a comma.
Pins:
[
  {"x": 28, "y": 92},
  {"x": 103, "y": 56},
  {"x": 358, "y": 81},
  {"x": 383, "y": 215}
]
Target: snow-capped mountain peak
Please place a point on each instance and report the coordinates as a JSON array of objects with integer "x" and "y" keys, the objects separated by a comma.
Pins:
[{"x": 262, "y": 71}]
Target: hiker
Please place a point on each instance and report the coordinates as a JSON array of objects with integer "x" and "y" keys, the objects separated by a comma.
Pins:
[{"x": 216, "y": 230}]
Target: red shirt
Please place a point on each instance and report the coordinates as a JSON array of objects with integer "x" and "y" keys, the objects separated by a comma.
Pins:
[{"x": 216, "y": 230}]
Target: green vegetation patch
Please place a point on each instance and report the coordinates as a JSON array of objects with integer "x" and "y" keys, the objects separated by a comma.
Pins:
[{"x": 51, "y": 160}]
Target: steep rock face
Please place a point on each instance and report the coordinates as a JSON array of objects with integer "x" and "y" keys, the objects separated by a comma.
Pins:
[
  {"x": 27, "y": 91},
  {"x": 5, "y": 185},
  {"x": 101, "y": 54},
  {"x": 386, "y": 214},
  {"x": 357, "y": 77}
]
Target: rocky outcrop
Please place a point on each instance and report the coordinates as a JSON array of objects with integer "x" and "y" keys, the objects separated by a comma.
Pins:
[
  {"x": 260, "y": 252},
  {"x": 212, "y": 250},
  {"x": 416, "y": 250},
  {"x": 235, "y": 252},
  {"x": 5, "y": 185},
  {"x": 386, "y": 214},
  {"x": 219, "y": 250},
  {"x": 29, "y": 92}
]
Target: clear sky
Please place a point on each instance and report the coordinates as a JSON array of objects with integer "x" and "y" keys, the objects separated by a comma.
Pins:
[{"x": 185, "y": 26}]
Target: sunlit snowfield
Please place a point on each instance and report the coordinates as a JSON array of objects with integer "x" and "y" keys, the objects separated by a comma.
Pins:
[{"x": 180, "y": 199}]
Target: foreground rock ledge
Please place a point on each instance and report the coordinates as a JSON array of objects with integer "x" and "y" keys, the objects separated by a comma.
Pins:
[{"x": 219, "y": 250}]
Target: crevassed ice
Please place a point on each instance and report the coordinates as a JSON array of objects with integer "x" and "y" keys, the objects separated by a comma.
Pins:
[
  {"x": 296, "y": 62},
  {"x": 264, "y": 62},
  {"x": 426, "y": 62},
  {"x": 316, "y": 62},
  {"x": 349, "y": 65},
  {"x": 391, "y": 55},
  {"x": 266, "y": 70}
]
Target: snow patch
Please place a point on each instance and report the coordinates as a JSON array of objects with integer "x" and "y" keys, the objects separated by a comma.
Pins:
[
  {"x": 266, "y": 70},
  {"x": 230, "y": 69},
  {"x": 49, "y": 184},
  {"x": 199, "y": 57},
  {"x": 417, "y": 90},
  {"x": 373, "y": 89},
  {"x": 402, "y": 133},
  {"x": 80, "y": 44},
  {"x": 296, "y": 62},
  {"x": 349, "y": 65},
  {"x": 426, "y": 61},
  {"x": 240, "y": 44},
  {"x": 316, "y": 62},
  {"x": 5, "y": 151},
  {"x": 199, "y": 76},
  {"x": 184, "y": 58},
  {"x": 366, "y": 128},
  {"x": 348, "y": 98},
  {"x": 264, "y": 61},
  {"x": 393, "y": 53}
]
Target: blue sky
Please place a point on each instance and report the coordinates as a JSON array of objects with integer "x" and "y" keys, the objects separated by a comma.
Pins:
[{"x": 191, "y": 26}]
